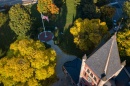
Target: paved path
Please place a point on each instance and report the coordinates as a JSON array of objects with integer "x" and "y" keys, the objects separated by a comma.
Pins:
[{"x": 61, "y": 59}]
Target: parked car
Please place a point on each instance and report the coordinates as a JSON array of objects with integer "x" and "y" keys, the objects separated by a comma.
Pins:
[
  {"x": 116, "y": 28},
  {"x": 114, "y": 22}
]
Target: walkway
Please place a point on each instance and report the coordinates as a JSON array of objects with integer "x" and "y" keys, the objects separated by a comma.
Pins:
[{"x": 61, "y": 59}]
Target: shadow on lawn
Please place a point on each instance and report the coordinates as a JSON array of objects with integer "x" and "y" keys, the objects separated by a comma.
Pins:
[
  {"x": 61, "y": 21},
  {"x": 66, "y": 39}
]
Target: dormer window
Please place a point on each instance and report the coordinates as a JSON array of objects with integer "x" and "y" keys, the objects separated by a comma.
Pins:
[
  {"x": 88, "y": 70},
  {"x": 95, "y": 79},
  {"x": 91, "y": 75},
  {"x": 85, "y": 74}
]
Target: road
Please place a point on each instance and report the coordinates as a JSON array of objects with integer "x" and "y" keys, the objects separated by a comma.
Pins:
[
  {"x": 12, "y": 2},
  {"x": 61, "y": 59},
  {"x": 119, "y": 10}
]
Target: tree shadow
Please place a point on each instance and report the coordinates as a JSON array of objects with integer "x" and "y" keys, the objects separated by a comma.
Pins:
[
  {"x": 7, "y": 36},
  {"x": 36, "y": 21},
  {"x": 61, "y": 21},
  {"x": 66, "y": 39}
]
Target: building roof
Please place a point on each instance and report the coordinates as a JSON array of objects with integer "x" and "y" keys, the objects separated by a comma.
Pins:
[
  {"x": 73, "y": 68},
  {"x": 122, "y": 79},
  {"x": 105, "y": 60}
]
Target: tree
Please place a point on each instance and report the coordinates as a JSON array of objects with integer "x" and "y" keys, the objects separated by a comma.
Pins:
[
  {"x": 2, "y": 53},
  {"x": 89, "y": 9},
  {"x": 123, "y": 39},
  {"x": 126, "y": 8},
  {"x": 20, "y": 21},
  {"x": 107, "y": 11},
  {"x": 28, "y": 63},
  {"x": 100, "y": 3},
  {"x": 47, "y": 6},
  {"x": 59, "y": 3},
  {"x": 3, "y": 19},
  {"x": 88, "y": 33}
]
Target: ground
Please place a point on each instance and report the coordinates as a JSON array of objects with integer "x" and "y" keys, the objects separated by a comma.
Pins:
[{"x": 61, "y": 59}]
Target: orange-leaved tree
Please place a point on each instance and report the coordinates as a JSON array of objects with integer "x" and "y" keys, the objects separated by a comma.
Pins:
[{"x": 47, "y": 6}]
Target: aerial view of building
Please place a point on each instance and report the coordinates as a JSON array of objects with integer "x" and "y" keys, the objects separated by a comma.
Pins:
[
  {"x": 64, "y": 43},
  {"x": 102, "y": 68}
]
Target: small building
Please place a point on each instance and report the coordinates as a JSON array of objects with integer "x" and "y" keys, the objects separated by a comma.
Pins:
[{"x": 102, "y": 68}]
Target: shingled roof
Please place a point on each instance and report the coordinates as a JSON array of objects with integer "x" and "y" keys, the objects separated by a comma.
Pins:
[
  {"x": 105, "y": 60},
  {"x": 73, "y": 68}
]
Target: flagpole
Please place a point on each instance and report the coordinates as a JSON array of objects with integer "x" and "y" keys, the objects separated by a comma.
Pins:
[{"x": 43, "y": 25}]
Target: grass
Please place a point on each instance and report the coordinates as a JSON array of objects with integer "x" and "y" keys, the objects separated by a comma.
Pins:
[
  {"x": 68, "y": 46},
  {"x": 65, "y": 20},
  {"x": 71, "y": 12}
]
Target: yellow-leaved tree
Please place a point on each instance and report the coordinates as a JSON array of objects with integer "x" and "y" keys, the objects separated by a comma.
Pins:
[
  {"x": 123, "y": 39},
  {"x": 88, "y": 33},
  {"x": 28, "y": 62}
]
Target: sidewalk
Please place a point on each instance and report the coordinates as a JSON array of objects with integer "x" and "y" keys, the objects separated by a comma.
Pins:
[{"x": 61, "y": 59}]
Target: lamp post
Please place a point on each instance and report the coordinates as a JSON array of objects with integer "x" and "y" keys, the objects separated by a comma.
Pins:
[
  {"x": 120, "y": 22},
  {"x": 43, "y": 25}
]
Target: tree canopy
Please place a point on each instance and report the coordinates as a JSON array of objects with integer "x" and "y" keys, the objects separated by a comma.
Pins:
[
  {"x": 27, "y": 63},
  {"x": 47, "y": 6},
  {"x": 88, "y": 33},
  {"x": 20, "y": 21},
  {"x": 3, "y": 19},
  {"x": 107, "y": 11},
  {"x": 123, "y": 39},
  {"x": 89, "y": 10},
  {"x": 126, "y": 8}
]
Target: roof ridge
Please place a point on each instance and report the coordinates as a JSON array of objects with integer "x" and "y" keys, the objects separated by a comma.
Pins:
[{"x": 109, "y": 55}]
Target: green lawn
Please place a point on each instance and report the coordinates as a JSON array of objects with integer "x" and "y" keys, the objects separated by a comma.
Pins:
[{"x": 71, "y": 12}]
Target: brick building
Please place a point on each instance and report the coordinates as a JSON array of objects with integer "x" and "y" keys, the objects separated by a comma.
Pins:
[{"x": 102, "y": 68}]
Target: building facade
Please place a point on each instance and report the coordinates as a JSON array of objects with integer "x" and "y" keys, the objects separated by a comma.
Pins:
[{"x": 100, "y": 68}]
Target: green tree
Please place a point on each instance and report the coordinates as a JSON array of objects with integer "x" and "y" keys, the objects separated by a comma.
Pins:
[
  {"x": 20, "y": 21},
  {"x": 47, "y": 6},
  {"x": 89, "y": 9},
  {"x": 28, "y": 63},
  {"x": 126, "y": 8},
  {"x": 1, "y": 53},
  {"x": 59, "y": 3},
  {"x": 100, "y": 3},
  {"x": 88, "y": 33},
  {"x": 3, "y": 19},
  {"x": 123, "y": 39},
  {"x": 107, "y": 11}
]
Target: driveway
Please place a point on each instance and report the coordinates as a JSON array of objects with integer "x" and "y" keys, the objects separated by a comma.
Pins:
[{"x": 61, "y": 59}]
